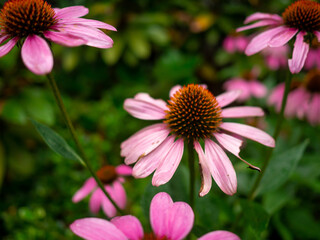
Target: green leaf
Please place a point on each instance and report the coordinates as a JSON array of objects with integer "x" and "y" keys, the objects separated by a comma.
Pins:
[
  {"x": 280, "y": 168},
  {"x": 56, "y": 142}
]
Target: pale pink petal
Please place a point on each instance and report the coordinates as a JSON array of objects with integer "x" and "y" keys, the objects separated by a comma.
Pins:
[
  {"x": 257, "y": 24},
  {"x": 283, "y": 37},
  {"x": 84, "y": 191},
  {"x": 158, "y": 217},
  {"x": 124, "y": 170},
  {"x": 64, "y": 39},
  {"x": 275, "y": 97},
  {"x": 88, "y": 22},
  {"x": 258, "y": 89},
  {"x": 7, "y": 47},
  {"x": 206, "y": 180},
  {"x": 36, "y": 55},
  {"x": 168, "y": 164},
  {"x": 227, "y": 98},
  {"x": 146, "y": 165},
  {"x": 174, "y": 90},
  {"x": 220, "y": 167},
  {"x": 108, "y": 207},
  {"x": 71, "y": 12},
  {"x": 261, "y": 16},
  {"x": 219, "y": 235},
  {"x": 313, "y": 113},
  {"x": 130, "y": 226},
  {"x": 95, "y": 201},
  {"x": 96, "y": 229},
  {"x": 240, "y": 112},
  {"x": 299, "y": 55},
  {"x": 240, "y": 85},
  {"x": 294, "y": 102},
  {"x": 118, "y": 194},
  {"x": 252, "y": 133}
]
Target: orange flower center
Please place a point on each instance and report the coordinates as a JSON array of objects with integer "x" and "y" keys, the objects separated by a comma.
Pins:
[
  {"x": 151, "y": 236},
  {"x": 312, "y": 81},
  {"x": 107, "y": 174},
  {"x": 19, "y": 18},
  {"x": 303, "y": 15},
  {"x": 193, "y": 113}
]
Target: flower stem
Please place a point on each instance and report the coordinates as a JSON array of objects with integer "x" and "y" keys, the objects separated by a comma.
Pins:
[
  {"x": 253, "y": 192},
  {"x": 69, "y": 124},
  {"x": 192, "y": 173}
]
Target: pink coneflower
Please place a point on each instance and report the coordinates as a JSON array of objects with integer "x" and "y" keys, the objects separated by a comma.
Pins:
[
  {"x": 248, "y": 85},
  {"x": 313, "y": 58},
  {"x": 276, "y": 57},
  {"x": 301, "y": 18},
  {"x": 169, "y": 221},
  {"x": 191, "y": 114},
  {"x": 303, "y": 100},
  {"x": 233, "y": 44},
  {"x": 112, "y": 178},
  {"x": 29, "y": 23}
]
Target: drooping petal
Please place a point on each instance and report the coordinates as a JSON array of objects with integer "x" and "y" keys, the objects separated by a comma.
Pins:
[
  {"x": 257, "y": 24},
  {"x": 283, "y": 37},
  {"x": 252, "y": 133},
  {"x": 124, "y": 170},
  {"x": 36, "y": 55},
  {"x": 88, "y": 22},
  {"x": 7, "y": 47},
  {"x": 71, "y": 12},
  {"x": 240, "y": 112},
  {"x": 299, "y": 55},
  {"x": 96, "y": 229},
  {"x": 108, "y": 207},
  {"x": 65, "y": 39},
  {"x": 130, "y": 226},
  {"x": 219, "y": 235},
  {"x": 118, "y": 194},
  {"x": 95, "y": 201},
  {"x": 220, "y": 167},
  {"x": 84, "y": 191},
  {"x": 206, "y": 180},
  {"x": 262, "y": 16},
  {"x": 168, "y": 164},
  {"x": 227, "y": 98}
]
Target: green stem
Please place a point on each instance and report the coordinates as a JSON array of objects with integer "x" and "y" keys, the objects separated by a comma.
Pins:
[
  {"x": 192, "y": 173},
  {"x": 69, "y": 124},
  {"x": 276, "y": 133}
]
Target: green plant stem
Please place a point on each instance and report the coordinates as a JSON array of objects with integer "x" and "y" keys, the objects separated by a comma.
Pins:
[
  {"x": 69, "y": 124},
  {"x": 276, "y": 133},
  {"x": 192, "y": 173}
]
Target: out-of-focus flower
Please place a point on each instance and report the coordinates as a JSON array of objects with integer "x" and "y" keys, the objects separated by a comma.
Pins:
[
  {"x": 191, "y": 114},
  {"x": 248, "y": 85},
  {"x": 169, "y": 221},
  {"x": 313, "y": 58},
  {"x": 235, "y": 43},
  {"x": 28, "y": 23},
  {"x": 301, "y": 18},
  {"x": 303, "y": 100},
  {"x": 112, "y": 178},
  {"x": 276, "y": 57}
]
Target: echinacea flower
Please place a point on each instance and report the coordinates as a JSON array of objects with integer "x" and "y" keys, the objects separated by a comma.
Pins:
[
  {"x": 276, "y": 57},
  {"x": 169, "y": 221},
  {"x": 313, "y": 58},
  {"x": 112, "y": 178},
  {"x": 303, "y": 100},
  {"x": 233, "y": 44},
  {"x": 192, "y": 114},
  {"x": 30, "y": 23},
  {"x": 300, "y": 19}
]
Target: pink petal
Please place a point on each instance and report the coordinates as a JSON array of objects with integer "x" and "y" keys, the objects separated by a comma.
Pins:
[
  {"x": 240, "y": 112},
  {"x": 143, "y": 106},
  {"x": 276, "y": 96},
  {"x": 174, "y": 90},
  {"x": 118, "y": 194},
  {"x": 130, "y": 226},
  {"x": 299, "y": 55},
  {"x": 71, "y": 12},
  {"x": 240, "y": 85},
  {"x": 84, "y": 191},
  {"x": 294, "y": 102},
  {"x": 36, "y": 55},
  {"x": 108, "y": 207},
  {"x": 65, "y": 39},
  {"x": 262, "y": 40},
  {"x": 95, "y": 201},
  {"x": 313, "y": 113},
  {"x": 283, "y": 37},
  {"x": 96, "y": 229},
  {"x": 6, "y": 48},
  {"x": 252, "y": 133},
  {"x": 124, "y": 170},
  {"x": 261, "y": 16},
  {"x": 206, "y": 180},
  {"x": 220, "y": 167},
  {"x": 88, "y": 22},
  {"x": 227, "y": 98},
  {"x": 219, "y": 235},
  {"x": 3, "y": 38},
  {"x": 257, "y": 24},
  {"x": 258, "y": 89},
  {"x": 168, "y": 164}
]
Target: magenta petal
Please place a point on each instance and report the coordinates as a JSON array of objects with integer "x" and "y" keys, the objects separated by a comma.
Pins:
[
  {"x": 227, "y": 98},
  {"x": 252, "y": 133},
  {"x": 262, "y": 16},
  {"x": 124, "y": 170},
  {"x": 88, "y": 22},
  {"x": 118, "y": 194},
  {"x": 95, "y": 201},
  {"x": 168, "y": 164},
  {"x": 87, "y": 187},
  {"x": 257, "y": 24},
  {"x": 71, "y": 12},
  {"x": 283, "y": 37},
  {"x": 240, "y": 112},
  {"x": 219, "y": 235},
  {"x": 36, "y": 55},
  {"x": 299, "y": 55},
  {"x": 6, "y": 48},
  {"x": 313, "y": 113},
  {"x": 130, "y": 226},
  {"x": 96, "y": 229},
  {"x": 64, "y": 39},
  {"x": 258, "y": 89},
  {"x": 205, "y": 171},
  {"x": 108, "y": 208},
  {"x": 220, "y": 167},
  {"x": 3, "y": 38}
]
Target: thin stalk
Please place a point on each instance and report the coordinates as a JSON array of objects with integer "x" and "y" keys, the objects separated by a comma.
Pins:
[
  {"x": 192, "y": 173},
  {"x": 69, "y": 124},
  {"x": 276, "y": 133}
]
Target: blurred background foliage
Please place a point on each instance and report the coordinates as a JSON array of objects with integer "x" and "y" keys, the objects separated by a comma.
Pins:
[{"x": 157, "y": 46}]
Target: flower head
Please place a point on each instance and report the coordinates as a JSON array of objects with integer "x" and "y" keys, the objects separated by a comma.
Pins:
[
  {"x": 112, "y": 178},
  {"x": 28, "y": 23},
  {"x": 169, "y": 221},
  {"x": 301, "y": 18},
  {"x": 193, "y": 114},
  {"x": 276, "y": 57}
]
